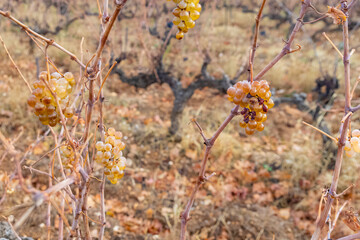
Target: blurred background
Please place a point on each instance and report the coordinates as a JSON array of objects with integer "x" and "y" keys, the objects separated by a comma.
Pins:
[{"x": 268, "y": 184}]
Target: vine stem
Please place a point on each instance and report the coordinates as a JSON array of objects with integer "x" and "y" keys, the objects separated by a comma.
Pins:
[
  {"x": 343, "y": 128},
  {"x": 202, "y": 178},
  {"x": 185, "y": 215},
  {"x": 286, "y": 49},
  {"x": 94, "y": 69},
  {"x": 39, "y": 36}
]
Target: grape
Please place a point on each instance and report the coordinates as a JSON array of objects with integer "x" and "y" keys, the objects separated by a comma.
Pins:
[
  {"x": 50, "y": 109},
  {"x": 118, "y": 135},
  {"x": 38, "y": 92},
  {"x": 189, "y": 23},
  {"x": 179, "y": 35},
  {"x": 356, "y": 133},
  {"x": 262, "y": 92},
  {"x": 246, "y": 86},
  {"x": 182, "y": 27},
  {"x": 55, "y": 75},
  {"x": 258, "y": 116},
  {"x": 32, "y": 100},
  {"x": 190, "y": 7},
  {"x": 253, "y": 91},
  {"x": 264, "y": 118},
  {"x": 249, "y": 131},
  {"x": 355, "y": 143},
  {"x": 270, "y": 103},
  {"x": 43, "y": 76},
  {"x": 347, "y": 146},
  {"x": 39, "y": 107},
  {"x": 43, "y": 118},
  {"x": 198, "y": 7},
  {"x": 176, "y": 20},
  {"x": 69, "y": 112},
  {"x": 176, "y": 12},
  {"x": 260, "y": 127},
  {"x": 107, "y": 155},
  {"x": 231, "y": 91},
  {"x": 194, "y": 15},
  {"x": 252, "y": 124},
  {"x": 255, "y": 85},
  {"x": 237, "y": 100},
  {"x": 46, "y": 100},
  {"x": 53, "y": 122},
  {"x": 182, "y": 4},
  {"x": 100, "y": 146},
  {"x": 242, "y": 124},
  {"x": 350, "y": 153},
  {"x": 108, "y": 147},
  {"x": 38, "y": 84}
]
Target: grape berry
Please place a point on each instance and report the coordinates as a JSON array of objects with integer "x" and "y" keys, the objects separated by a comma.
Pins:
[
  {"x": 185, "y": 15},
  {"x": 110, "y": 156},
  {"x": 255, "y": 100},
  {"x": 352, "y": 145},
  {"x": 43, "y": 101}
]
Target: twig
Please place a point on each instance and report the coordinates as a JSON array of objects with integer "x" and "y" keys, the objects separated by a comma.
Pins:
[
  {"x": 185, "y": 215},
  {"x": 343, "y": 128},
  {"x": 12, "y": 228},
  {"x": 16, "y": 67},
  {"x": 286, "y": 48},
  {"x": 200, "y": 130},
  {"x": 95, "y": 66},
  {"x": 333, "y": 45},
  {"x": 257, "y": 27},
  {"x": 329, "y": 136},
  {"x": 47, "y": 40}
]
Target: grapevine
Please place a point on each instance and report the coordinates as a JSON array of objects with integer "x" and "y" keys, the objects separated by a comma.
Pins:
[
  {"x": 352, "y": 145},
  {"x": 109, "y": 155},
  {"x": 185, "y": 14},
  {"x": 43, "y": 102},
  {"x": 255, "y": 100}
]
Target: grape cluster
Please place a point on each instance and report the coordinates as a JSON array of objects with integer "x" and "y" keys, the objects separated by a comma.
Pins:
[
  {"x": 67, "y": 156},
  {"x": 352, "y": 145},
  {"x": 255, "y": 100},
  {"x": 43, "y": 101},
  {"x": 186, "y": 13},
  {"x": 109, "y": 155}
]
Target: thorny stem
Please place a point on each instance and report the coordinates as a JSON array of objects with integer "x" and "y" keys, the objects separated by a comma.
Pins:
[
  {"x": 286, "y": 49},
  {"x": 202, "y": 178},
  {"x": 47, "y": 40},
  {"x": 343, "y": 127}
]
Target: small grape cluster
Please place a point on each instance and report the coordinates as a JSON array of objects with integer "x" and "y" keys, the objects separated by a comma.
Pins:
[
  {"x": 255, "y": 100},
  {"x": 67, "y": 156},
  {"x": 186, "y": 13},
  {"x": 110, "y": 156},
  {"x": 43, "y": 101},
  {"x": 352, "y": 145}
]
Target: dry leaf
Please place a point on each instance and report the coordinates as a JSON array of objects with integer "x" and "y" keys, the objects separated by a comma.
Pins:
[{"x": 337, "y": 15}]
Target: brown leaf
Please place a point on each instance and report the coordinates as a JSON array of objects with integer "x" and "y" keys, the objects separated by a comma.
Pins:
[{"x": 337, "y": 15}]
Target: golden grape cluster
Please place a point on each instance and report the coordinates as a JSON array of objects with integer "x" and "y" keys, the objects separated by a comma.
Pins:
[
  {"x": 255, "y": 100},
  {"x": 110, "y": 156},
  {"x": 185, "y": 15},
  {"x": 43, "y": 101},
  {"x": 352, "y": 145},
  {"x": 67, "y": 156}
]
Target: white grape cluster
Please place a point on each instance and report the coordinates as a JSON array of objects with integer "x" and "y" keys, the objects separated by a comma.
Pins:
[
  {"x": 110, "y": 155},
  {"x": 352, "y": 145}
]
